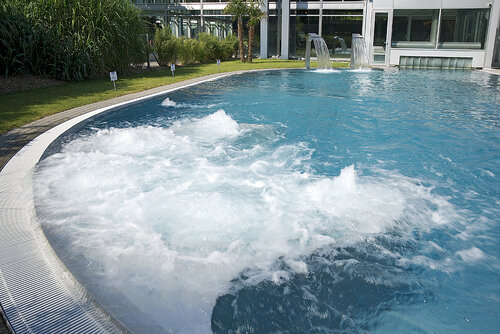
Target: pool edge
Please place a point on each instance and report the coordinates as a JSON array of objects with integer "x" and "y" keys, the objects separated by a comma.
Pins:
[{"x": 32, "y": 277}]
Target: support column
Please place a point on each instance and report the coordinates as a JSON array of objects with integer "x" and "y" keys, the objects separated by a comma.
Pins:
[
  {"x": 320, "y": 28},
  {"x": 202, "y": 19},
  {"x": 264, "y": 31},
  {"x": 285, "y": 28}
]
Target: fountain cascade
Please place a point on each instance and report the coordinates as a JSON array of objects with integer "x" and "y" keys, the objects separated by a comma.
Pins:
[
  {"x": 359, "y": 58},
  {"x": 321, "y": 52},
  {"x": 343, "y": 46}
]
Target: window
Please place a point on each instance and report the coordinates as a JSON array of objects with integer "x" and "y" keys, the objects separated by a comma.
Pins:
[
  {"x": 300, "y": 26},
  {"x": 337, "y": 33},
  {"x": 463, "y": 28},
  {"x": 414, "y": 28}
]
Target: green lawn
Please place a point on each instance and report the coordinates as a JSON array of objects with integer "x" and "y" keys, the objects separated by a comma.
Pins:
[{"x": 19, "y": 108}]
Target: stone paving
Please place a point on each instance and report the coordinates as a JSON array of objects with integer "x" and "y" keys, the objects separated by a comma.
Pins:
[{"x": 492, "y": 71}]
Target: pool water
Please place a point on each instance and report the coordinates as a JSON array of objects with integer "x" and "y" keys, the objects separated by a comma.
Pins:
[{"x": 287, "y": 202}]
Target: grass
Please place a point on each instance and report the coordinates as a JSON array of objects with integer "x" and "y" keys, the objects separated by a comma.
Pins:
[{"x": 23, "y": 107}]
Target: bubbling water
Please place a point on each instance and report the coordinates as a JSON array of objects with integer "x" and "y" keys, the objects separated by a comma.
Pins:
[{"x": 165, "y": 218}]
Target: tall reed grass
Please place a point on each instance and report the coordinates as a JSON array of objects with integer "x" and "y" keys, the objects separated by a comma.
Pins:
[{"x": 69, "y": 39}]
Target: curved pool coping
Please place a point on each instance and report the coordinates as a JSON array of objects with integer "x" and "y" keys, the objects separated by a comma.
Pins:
[{"x": 38, "y": 294}]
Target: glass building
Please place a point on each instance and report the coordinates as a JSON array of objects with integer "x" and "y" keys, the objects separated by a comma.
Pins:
[{"x": 394, "y": 30}]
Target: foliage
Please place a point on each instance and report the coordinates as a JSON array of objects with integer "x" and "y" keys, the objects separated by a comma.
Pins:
[
  {"x": 238, "y": 9},
  {"x": 166, "y": 46},
  {"x": 205, "y": 48},
  {"x": 189, "y": 50},
  {"x": 230, "y": 46},
  {"x": 214, "y": 48},
  {"x": 70, "y": 40},
  {"x": 255, "y": 14}
]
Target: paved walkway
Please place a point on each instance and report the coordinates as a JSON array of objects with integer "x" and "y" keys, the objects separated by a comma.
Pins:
[{"x": 493, "y": 71}]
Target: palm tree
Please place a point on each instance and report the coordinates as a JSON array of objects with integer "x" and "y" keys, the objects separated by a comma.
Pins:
[
  {"x": 256, "y": 14},
  {"x": 238, "y": 9}
]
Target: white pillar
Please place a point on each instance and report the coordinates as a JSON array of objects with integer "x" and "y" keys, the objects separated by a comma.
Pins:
[
  {"x": 285, "y": 28},
  {"x": 367, "y": 31},
  {"x": 202, "y": 19},
  {"x": 264, "y": 31},
  {"x": 320, "y": 28},
  {"x": 492, "y": 32}
]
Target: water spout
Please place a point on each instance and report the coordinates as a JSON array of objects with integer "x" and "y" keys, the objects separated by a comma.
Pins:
[
  {"x": 343, "y": 45},
  {"x": 321, "y": 51},
  {"x": 359, "y": 58}
]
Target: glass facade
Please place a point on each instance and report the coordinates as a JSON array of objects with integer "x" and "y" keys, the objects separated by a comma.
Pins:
[
  {"x": 463, "y": 28},
  {"x": 415, "y": 28},
  {"x": 337, "y": 27},
  {"x": 429, "y": 29},
  {"x": 337, "y": 32},
  {"x": 273, "y": 35},
  {"x": 300, "y": 26},
  {"x": 459, "y": 28},
  {"x": 220, "y": 26},
  {"x": 380, "y": 38}
]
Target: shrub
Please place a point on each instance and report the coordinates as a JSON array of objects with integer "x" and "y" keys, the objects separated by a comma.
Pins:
[
  {"x": 212, "y": 47},
  {"x": 206, "y": 48},
  {"x": 230, "y": 46},
  {"x": 166, "y": 46},
  {"x": 190, "y": 50}
]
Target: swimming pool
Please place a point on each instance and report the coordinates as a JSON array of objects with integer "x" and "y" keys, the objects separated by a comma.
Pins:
[{"x": 293, "y": 201}]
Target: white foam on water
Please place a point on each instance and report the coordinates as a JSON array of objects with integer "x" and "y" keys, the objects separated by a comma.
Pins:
[
  {"x": 360, "y": 70},
  {"x": 471, "y": 255},
  {"x": 168, "y": 103},
  {"x": 172, "y": 104},
  {"x": 167, "y": 217},
  {"x": 325, "y": 71}
]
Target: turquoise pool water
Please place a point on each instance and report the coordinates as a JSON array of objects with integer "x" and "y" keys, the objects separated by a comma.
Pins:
[{"x": 288, "y": 202}]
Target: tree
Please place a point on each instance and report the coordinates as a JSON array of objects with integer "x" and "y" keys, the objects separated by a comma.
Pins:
[
  {"x": 238, "y": 9},
  {"x": 255, "y": 14}
]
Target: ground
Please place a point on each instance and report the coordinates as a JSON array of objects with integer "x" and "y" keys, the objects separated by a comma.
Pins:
[{"x": 24, "y": 82}]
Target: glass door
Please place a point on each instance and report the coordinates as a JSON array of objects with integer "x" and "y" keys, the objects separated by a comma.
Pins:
[{"x": 381, "y": 36}]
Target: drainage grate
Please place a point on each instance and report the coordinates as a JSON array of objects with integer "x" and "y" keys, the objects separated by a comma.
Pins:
[{"x": 445, "y": 63}]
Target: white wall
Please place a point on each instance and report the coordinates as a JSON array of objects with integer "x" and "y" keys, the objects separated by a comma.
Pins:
[
  {"x": 477, "y": 56},
  {"x": 480, "y": 58}
]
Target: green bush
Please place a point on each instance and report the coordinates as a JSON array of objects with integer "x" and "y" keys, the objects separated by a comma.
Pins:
[
  {"x": 212, "y": 47},
  {"x": 190, "y": 51},
  {"x": 230, "y": 46},
  {"x": 166, "y": 46},
  {"x": 205, "y": 48},
  {"x": 70, "y": 39}
]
